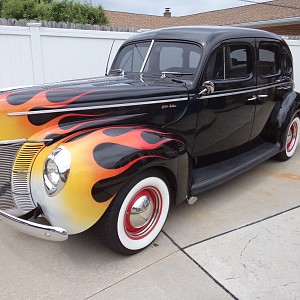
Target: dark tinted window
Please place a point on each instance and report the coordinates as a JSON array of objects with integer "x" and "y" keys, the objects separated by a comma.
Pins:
[
  {"x": 237, "y": 61},
  {"x": 215, "y": 68},
  {"x": 269, "y": 62},
  {"x": 230, "y": 62}
]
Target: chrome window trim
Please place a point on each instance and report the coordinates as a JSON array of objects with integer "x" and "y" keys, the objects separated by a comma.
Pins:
[
  {"x": 96, "y": 107},
  {"x": 244, "y": 91},
  {"x": 256, "y": 89}
]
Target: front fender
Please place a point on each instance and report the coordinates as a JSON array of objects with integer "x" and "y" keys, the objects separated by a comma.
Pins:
[{"x": 103, "y": 160}]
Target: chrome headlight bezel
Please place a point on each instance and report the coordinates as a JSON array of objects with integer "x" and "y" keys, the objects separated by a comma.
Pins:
[{"x": 56, "y": 170}]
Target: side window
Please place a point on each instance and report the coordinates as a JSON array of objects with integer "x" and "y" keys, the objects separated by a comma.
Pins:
[
  {"x": 215, "y": 68},
  {"x": 229, "y": 62},
  {"x": 237, "y": 62},
  {"x": 269, "y": 62}
]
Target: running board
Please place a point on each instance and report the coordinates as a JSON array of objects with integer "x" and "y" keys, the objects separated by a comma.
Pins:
[{"x": 207, "y": 177}]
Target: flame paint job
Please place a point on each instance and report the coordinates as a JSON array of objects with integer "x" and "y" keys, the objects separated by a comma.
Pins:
[
  {"x": 102, "y": 161},
  {"x": 58, "y": 124},
  {"x": 51, "y": 124}
]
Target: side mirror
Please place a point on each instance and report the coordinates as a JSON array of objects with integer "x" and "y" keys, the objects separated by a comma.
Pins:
[{"x": 207, "y": 88}]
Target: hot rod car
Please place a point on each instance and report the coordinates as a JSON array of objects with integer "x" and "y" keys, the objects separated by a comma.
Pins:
[{"x": 181, "y": 110}]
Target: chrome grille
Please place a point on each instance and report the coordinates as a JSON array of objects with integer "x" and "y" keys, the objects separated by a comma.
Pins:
[
  {"x": 8, "y": 153},
  {"x": 21, "y": 175}
]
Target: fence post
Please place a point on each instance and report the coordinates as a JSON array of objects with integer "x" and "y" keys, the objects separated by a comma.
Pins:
[{"x": 36, "y": 52}]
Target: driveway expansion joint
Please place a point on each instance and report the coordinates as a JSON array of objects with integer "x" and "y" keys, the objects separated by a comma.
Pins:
[
  {"x": 202, "y": 268},
  {"x": 123, "y": 279},
  {"x": 238, "y": 228}
]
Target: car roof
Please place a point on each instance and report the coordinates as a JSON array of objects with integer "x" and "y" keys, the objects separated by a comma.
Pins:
[{"x": 202, "y": 34}]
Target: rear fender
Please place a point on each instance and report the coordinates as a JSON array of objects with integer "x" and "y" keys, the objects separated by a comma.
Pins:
[{"x": 282, "y": 114}]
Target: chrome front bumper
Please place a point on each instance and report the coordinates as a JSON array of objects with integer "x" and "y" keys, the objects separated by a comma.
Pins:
[{"x": 34, "y": 229}]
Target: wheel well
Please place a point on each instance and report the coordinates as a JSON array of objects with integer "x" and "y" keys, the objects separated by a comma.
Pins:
[{"x": 172, "y": 181}]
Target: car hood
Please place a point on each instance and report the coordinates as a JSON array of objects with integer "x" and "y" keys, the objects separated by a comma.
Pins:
[{"x": 52, "y": 110}]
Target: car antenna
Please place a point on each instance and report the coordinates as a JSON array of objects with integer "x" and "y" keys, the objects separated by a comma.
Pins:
[{"x": 112, "y": 45}]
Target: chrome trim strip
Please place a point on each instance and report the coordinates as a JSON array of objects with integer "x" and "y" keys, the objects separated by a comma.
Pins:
[
  {"x": 96, "y": 107},
  {"x": 9, "y": 142},
  {"x": 245, "y": 91},
  {"x": 45, "y": 232},
  {"x": 22, "y": 141},
  {"x": 146, "y": 57},
  {"x": 140, "y": 103}
]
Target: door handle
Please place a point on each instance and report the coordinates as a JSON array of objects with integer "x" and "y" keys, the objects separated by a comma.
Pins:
[
  {"x": 252, "y": 99},
  {"x": 263, "y": 96}
]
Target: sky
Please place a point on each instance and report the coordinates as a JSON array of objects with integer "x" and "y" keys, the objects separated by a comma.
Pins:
[{"x": 178, "y": 7}]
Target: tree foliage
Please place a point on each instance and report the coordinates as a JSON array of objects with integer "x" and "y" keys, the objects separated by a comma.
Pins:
[{"x": 54, "y": 10}]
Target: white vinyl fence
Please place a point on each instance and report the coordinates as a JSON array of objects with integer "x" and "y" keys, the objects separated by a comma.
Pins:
[
  {"x": 295, "y": 48},
  {"x": 34, "y": 54}
]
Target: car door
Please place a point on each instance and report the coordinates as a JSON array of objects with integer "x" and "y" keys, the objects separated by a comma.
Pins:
[
  {"x": 225, "y": 117},
  {"x": 269, "y": 82}
]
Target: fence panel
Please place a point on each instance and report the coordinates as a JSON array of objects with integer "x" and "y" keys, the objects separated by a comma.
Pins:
[
  {"x": 34, "y": 54},
  {"x": 15, "y": 57},
  {"x": 72, "y": 54},
  {"x": 295, "y": 49}
]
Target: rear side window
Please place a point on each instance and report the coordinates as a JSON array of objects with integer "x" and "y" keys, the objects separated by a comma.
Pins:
[
  {"x": 229, "y": 62},
  {"x": 269, "y": 59}
]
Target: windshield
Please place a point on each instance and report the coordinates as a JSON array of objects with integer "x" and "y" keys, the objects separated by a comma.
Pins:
[{"x": 165, "y": 59}]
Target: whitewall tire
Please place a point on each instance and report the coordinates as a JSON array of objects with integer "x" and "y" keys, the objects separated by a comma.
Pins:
[
  {"x": 291, "y": 139},
  {"x": 137, "y": 214}
]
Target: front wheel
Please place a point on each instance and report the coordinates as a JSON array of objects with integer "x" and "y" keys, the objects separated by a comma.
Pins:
[
  {"x": 137, "y": 214},
  {"x": 291, "y": 140}
]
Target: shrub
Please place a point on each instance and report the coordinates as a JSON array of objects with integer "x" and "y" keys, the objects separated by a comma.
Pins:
[{"x": 54, "y": 10}]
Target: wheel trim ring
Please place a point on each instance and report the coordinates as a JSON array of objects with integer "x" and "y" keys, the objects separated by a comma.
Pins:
[
  {"x": 293, "y": 132},
  {"x": 137, "y": 233}
]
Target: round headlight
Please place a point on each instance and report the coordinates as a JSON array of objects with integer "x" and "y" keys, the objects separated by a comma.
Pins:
[
  {"x": 51, "y": 171},
  {"x": 56, "y": 170}
]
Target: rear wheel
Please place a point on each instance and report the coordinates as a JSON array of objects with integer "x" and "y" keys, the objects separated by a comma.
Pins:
[
  {"x": 291, "y": 140},
  {"x": 137, "y": 214}
]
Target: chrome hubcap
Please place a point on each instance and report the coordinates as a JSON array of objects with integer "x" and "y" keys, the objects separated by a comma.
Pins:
[
  {"x": 142, "y": 213},
  {"x": 292, "y": 137}
]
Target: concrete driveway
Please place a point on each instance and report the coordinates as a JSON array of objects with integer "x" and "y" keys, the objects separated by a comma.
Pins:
[{"x": 240, "y": 240}]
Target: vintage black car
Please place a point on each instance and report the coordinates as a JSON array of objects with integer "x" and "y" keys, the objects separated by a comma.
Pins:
[{"x": 181, "y": 110}]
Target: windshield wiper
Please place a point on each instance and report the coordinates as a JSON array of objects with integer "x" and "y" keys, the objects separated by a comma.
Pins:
[
  {"x": 165, "y": 73},
  {"x": 119, "y": 72}
]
